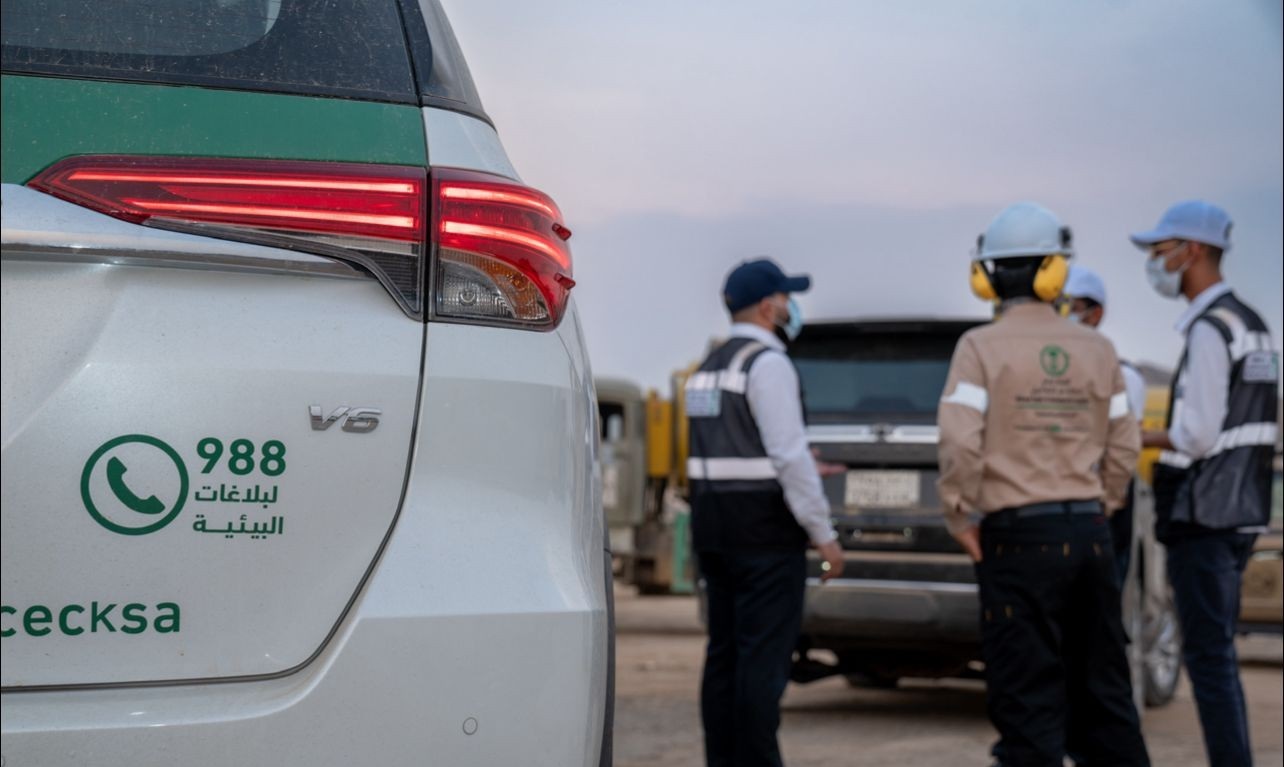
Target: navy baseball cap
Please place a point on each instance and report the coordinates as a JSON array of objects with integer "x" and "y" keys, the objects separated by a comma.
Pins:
[
  {"x": 753, "y": 281},
  {"x": 1190, "y": 220}
]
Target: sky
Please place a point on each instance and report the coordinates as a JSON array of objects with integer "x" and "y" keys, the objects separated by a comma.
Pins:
[{"x": 868, "y": 143}]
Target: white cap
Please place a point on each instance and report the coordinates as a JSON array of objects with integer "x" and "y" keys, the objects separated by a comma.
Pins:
[
  {"x": 1194, "y": 220},
  {"x": 1085, "y": 283}
]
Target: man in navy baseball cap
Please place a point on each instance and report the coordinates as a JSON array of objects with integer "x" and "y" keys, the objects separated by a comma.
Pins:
[
  {"x": 758, "y": 291},
  {"x": 755, "y": 280},
  {"x": 757, "y": 502}
]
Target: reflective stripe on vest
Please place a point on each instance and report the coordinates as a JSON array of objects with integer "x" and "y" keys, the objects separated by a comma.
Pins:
[
  {"x": 1245, "y": 435},
  {"x": 719, "y": 469}
]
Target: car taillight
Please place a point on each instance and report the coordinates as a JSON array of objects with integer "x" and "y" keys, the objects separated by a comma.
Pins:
[
  {"x": 373, "y": 215},
  {"x": 502, "y": 256}
]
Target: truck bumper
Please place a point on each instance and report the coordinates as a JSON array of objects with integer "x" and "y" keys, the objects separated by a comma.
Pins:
[{"x": 872, "y": 610}]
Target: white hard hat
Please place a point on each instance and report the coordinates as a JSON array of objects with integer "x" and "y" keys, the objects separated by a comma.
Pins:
[
  {"x": 1085, "y": 283},
  {"x": 1024, "y": 229}
]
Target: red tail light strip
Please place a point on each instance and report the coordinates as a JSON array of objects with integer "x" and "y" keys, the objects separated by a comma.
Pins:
[
  {"x": 379, "y": 201},
  {"x": 224, "y": 180},
  {"x": 528, "y": 198},
  {"x": 372, "y": 215},
  {"x": 499, "y": 233},
  {"x": 249, "y": 213},
  {"x": 501, "y": 246}
]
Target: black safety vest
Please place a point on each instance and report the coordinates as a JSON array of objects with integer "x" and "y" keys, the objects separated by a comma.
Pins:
[
  {"x": 736, "y": 500},
  {"x": 1230, "y": 487}
]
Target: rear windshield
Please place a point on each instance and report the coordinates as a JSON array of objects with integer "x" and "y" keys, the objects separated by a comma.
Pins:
[
  {"x": 367, "y": 49},
  {"x": 201, "y": 28},
  {"x": 870, "y": 376}
]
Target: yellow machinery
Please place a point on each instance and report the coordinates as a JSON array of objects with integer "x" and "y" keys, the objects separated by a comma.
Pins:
[
  {"x": 644, "y": 460},
  {"x": 664, "y": 562},
  {"x": 660, "y": 436},
  {"x": 666, "y": 431},
  {"x": 1154, "y": 419}
]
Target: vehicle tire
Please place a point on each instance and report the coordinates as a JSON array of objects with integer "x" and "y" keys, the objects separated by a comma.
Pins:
[{"x": 1161, "y": 655}]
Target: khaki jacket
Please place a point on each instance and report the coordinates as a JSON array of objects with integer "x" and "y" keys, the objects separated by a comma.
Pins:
[{"x": 1035, "y": 410}]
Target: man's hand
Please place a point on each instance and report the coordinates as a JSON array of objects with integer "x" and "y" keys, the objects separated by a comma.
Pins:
[
  {"x": 831, "y": 555},
  {"x": 824, "y": 468},
  {"x": 830, "y": 469},
  {"x": 1157, "y": 439},
  {"x": 970, "y": 540}
]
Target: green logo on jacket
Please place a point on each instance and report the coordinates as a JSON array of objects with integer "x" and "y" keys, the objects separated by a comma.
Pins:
[{"x": 1054, "y": 360}]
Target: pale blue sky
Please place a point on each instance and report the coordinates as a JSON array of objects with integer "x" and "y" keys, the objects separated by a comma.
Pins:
[{"x": 867, "y": 143}]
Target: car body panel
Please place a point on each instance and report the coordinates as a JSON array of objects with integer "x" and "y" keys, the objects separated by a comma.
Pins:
[
  {"x": 182, "y": 357},
  {"x": 494, "y": 548},
  {"x": 463, "y": 141},
  {"x": 456, "y": 631}
]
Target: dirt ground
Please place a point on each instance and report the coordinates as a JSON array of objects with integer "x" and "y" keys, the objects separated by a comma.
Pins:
[{"x": 657, "y": 722}]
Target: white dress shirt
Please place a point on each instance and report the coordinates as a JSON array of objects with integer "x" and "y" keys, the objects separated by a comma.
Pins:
[
  {"x": 1204, "y": 381},
  {"x": 774, "y": 399},
  {"x": 1135, "y": 385}
]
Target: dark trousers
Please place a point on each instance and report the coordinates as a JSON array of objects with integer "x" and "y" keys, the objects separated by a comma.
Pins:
[
  {"x": 1121, "y": 531},
  {"x": 1053, "y": 643},
  {"x": 755, "y": 601},
  {"x": 1206, "y": 572}
]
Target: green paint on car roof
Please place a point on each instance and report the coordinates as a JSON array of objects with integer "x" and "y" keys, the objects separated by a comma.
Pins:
[{"x": 46, "y": 119}]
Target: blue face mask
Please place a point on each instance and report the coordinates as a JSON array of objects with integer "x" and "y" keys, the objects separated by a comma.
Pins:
[{"x": 793, "y": 325}]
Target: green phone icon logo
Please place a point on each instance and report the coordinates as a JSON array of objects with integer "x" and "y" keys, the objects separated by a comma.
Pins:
[
  {"x": 116, "y": 470},
  {"x": 134, "y": 484}
]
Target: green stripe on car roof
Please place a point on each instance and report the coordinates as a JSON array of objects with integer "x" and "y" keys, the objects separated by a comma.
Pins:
[{"x": 46, "y": 119}]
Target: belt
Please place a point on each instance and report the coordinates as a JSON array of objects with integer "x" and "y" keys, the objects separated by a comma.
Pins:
[{"x": 1050, "y": 509}]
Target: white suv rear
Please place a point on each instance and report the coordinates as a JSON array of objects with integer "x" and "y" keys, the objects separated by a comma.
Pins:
[{"x": 298, "y": 424}]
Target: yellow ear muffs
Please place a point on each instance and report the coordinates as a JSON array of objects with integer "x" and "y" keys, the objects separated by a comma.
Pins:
[
  {"x": 1051, "y": 277},
  {"x": 982, "y": 286}
]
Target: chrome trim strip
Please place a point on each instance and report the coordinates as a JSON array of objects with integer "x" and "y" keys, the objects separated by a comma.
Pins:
[
  {"x": 836, "y": 434},
  {"x": 349, "y": 253},
  {"x": 865, "y": 584},
  {"x": 870, "y": 435},
  {"x": 77, "y": 253},
  {"x": 37, "y": 227}
]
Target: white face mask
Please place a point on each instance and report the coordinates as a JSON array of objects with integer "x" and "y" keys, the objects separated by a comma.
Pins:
[
  {"x": 1075, "y": 319},
  {"x": 1165, "y": 283}
]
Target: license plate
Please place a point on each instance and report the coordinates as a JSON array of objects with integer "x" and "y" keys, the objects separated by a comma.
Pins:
[{"x": 883, "y": 489}]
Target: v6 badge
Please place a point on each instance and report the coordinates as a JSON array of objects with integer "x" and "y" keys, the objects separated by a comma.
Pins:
[{"x": 358, "y": 420}]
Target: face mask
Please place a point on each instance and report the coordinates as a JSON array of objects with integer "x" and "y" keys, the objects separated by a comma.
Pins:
[
  {"x": 1075, "y": 319},
  {"x": 1165, "y": 283},
  {"x": 792, "y": 324}
]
